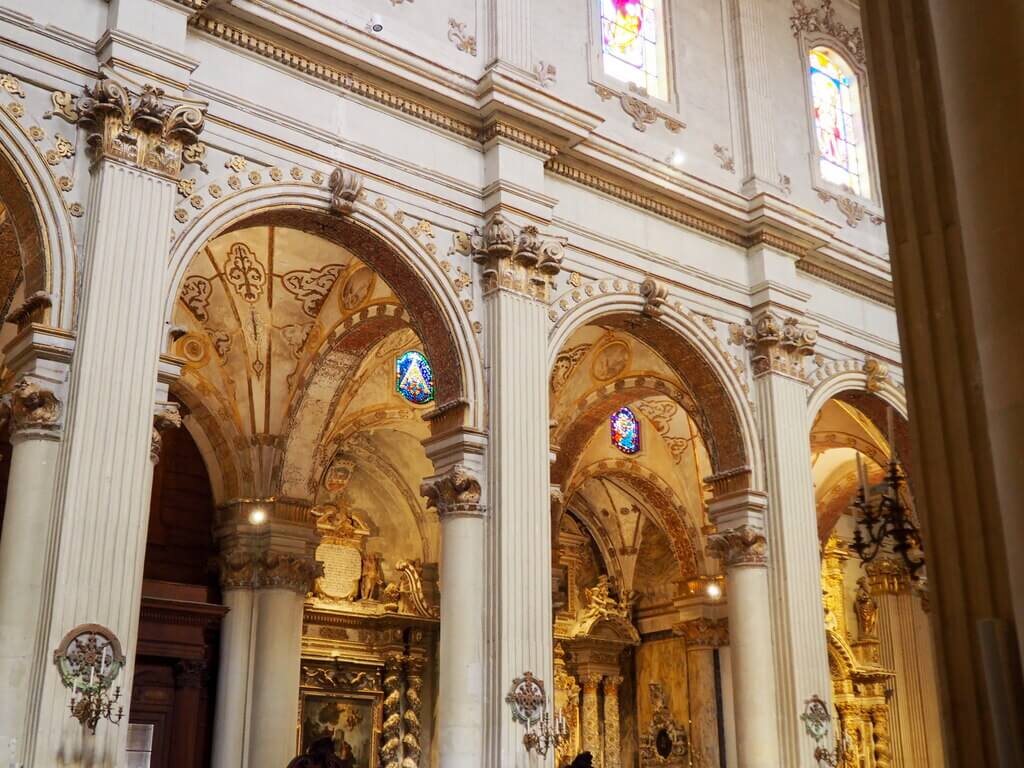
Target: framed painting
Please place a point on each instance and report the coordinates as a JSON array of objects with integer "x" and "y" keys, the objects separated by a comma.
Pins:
[{"x": 352, "y": 720}]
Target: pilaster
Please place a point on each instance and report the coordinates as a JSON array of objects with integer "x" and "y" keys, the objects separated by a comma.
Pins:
[
  {"x": 509, "y": 33},
  {"x": 612, "y": 746},
  {"x": 703, "y": 638},
  {"x": 136, "y": 138}
]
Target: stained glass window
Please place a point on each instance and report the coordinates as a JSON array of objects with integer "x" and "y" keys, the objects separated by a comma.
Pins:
[
  {"x": 838, "y": 122},
  {"x": 625, "y": 431},
  {"x": 414, "y": 378},
  {"x": 633, "y": 43}
]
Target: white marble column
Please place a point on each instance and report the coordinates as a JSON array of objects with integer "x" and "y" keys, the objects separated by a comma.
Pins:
[
  {"x": 612, "y": 746},
  {"x": 39, "y": 359},
  {"x": 455, "y": 494},
  {"x": 739, "y": 544},
  {"x": 778, "y": 346},
  {"x": 517, "y": 266},
  {"x": 101, "y": 507}
]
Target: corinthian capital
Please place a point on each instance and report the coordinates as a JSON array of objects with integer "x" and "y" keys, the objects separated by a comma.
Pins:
[
  {"x": 456, "y": 492},
  {"x": 33, "y": 410},
  {"x": 289, "y": 571},
  {"x": 776, "y": 344},
  {"x": 743, "y": 545},
  {"x": 703, "y": 633},
  {"x": 167, "y": 416},
  {"x": 516, "y": 259},
  {"x": 237, "y": 567},
  {"x": 137, "y": 124}
]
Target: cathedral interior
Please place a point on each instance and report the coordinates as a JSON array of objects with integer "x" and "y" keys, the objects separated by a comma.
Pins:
[{"x": 547, "y": 380}]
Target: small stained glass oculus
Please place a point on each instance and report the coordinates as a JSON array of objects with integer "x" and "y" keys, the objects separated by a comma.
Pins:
[
  {"x": 625, "y": 431},
  {"x": 414, "y": 378}
]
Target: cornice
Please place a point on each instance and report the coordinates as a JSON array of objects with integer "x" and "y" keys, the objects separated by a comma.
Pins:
[{"x": 848, "y": 278}]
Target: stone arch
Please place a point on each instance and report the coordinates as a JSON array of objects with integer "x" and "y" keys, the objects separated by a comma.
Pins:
[
  {"x": 39, "y": 226},
  {"x": 726, "y": 414},
  {"x": 414, "y": 276}
]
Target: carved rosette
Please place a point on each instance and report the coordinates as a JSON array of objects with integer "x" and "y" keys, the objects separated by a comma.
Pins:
[
  {"x": 704, "y": 634},
  {"x": 33, "y": 410},
  {"x": 345, "y": 187},
  {"x": 744, "y": 545},
  {"x": 776, "y": 345},
  {"x": 167, "y": 416},
  {"x": 288, "y": 571},
  {"x": 454, "y": 493},
  {"x": 516, "y": 259},
  {"x": 148, "y": 130}
]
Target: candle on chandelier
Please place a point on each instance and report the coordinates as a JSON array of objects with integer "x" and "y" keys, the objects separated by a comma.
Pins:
[{"x": 862, "y": 477}]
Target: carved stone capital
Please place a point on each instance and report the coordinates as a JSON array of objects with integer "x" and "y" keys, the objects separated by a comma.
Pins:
[
  {"x": 237, "y": 567},
  {"x": 138, "y": 125},
  {"x": 703, "y": 633},
  {"x": 345, "y": 188},
  {"x": 455, "y": 493},
  {"x": 33, "y": 410},
  {"x": 516, "y": 259},
  {"x": 744, "y": 545},
  {"x": 611, "y": 684},
  {"x": 288, "y": 571},
  {"x": 777, "y": 345},
  {"x": 167, "y": 416},
  {"x": 590, "y": 681}
]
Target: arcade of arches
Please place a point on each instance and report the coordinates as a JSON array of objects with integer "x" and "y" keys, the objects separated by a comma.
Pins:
[{"x": 398, "y": 393}]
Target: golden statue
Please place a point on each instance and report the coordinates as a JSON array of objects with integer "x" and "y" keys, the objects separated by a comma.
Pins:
[{"x": 866, "y": 608}]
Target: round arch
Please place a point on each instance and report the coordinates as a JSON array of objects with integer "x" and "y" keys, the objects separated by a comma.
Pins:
[
  {"x": 731, "y": 433},
  {"x": 40, "y": 223},
  {"x": 383, "y": 245}
]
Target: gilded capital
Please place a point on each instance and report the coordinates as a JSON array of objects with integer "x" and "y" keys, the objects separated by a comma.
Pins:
[
  {"x": 887, "y": 576},
  {"x": 288, "y": 571},
  {"x": 776, "y": 344},
  {"x": 703, "y": 633},
  {"x": 143, "y": 127},
  {"x": 590, "y": 681},
  {"x": 740, "y": 546},
  {"x": 33, "y": 410},
  {"x": 456, "y": 492},
  {"x": 516, "y": 259},
  {"x": 611, "y": 684},
  {"x": 237, "y": 567}
]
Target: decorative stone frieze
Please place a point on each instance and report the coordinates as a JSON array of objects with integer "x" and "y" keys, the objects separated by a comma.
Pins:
[
  {"x": 345, "y": 188},
  {"x": 149, "y": 129},
  {"x": 167, "y": 416},
  {"x": 740, "y": 546},
  {"x": 515, "y": 259},
  {"x": 456, "y": 492},
  {"x": 777, "y": 345},
  {"x": 703, "y": 633},
  {"x": 288, "y": 571},
  {"x": 33, "y": 409}
]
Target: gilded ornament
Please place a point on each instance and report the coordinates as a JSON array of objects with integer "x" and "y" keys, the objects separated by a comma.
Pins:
[
  {"x": 65, "y": 184},
  {"x": 215, "y": 191},
  {"x": 633, "y": 104},
  {"x": 76, "y": 210},
  {"x": 655, "y": 295},
  {"x": 62, "y": 149},
  {"x": 236, "y": 163},
  {"x": 725, "y": 158},
  {"x": 296, "y": 173},
  {"x": 234, "y": 182},
  {"x": 823, "y": 19},
  {"x": 317, "y": 178},
  {"x": 575, "y": 279},
  {"x": 186, "y": 187},
  {"x": 463, "y": 40},
  {"x": 275, "y": 174},
  {"x": 180, "y": 215},
  {"x": 255, "y": 177},
  {"x": 195, "y": 154},
  {"x": 467, "y": 305},
  {"x": 196, "y": 201},
  {"x": 877, "y": 373},
  {"x": 866, "y": 608},
  {"x": 10, "y": 84},
  {"x": 244, "y": 272},
  {"x": 776, "y": 345},
  {"x": 518, "y": 260},
  {"x": 15, "y": 110},
  {"x": 63, "y": 106},
  {"x": 36, "y": 133}
]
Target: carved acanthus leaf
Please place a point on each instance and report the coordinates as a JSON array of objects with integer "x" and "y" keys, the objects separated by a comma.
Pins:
[
  {"x": 776, "y": 344},
  {"x": 455, "y": 492},
  {"x": 520, "y": 260},
  {"x": 743, "y": 545}
]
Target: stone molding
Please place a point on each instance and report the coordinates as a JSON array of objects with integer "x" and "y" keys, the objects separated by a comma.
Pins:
[
  {"x": 516, "y": 259},
  {"x": 455, "y": 493},
  {"x": 703, "y": 633},
  {"x": 743, "y": 545},
  {"x": 776, "y": 344}
]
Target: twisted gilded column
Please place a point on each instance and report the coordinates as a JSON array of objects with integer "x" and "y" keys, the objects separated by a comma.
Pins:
[
  {"x": 391, "y": 741},
  {"x": 703, "y": 637},
  {"x": 740, "y": 545},
  {"x": 591, "y": 716},
  {"x": 778, "y": 346},
  {"x": 517, "y": 268},
  {"x": 136, "y": 137},
  {"x": 412, "y": 748},
  {"x": 612, "y": 747}
]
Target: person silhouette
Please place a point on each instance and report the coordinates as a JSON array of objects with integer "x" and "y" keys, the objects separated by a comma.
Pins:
[{"x": 583, "y": 760}]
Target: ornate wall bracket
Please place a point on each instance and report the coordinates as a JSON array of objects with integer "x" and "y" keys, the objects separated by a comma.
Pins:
[
  {"x": 516, "y": 259},
  {"x": 634, "y": 103}
]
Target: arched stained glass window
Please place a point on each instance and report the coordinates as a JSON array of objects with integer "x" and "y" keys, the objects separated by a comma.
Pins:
[
  {"x": 625, "y": 431},
  {"x": 838, "y": 122},
  {"x": 414, "y": 378},
  {"x": 633, "y": 44}
]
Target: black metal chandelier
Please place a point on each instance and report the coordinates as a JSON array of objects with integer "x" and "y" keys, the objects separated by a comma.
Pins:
[{"x": 885, "y": 520}]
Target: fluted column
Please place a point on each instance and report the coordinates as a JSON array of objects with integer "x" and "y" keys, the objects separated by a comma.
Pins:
[
  {"x": 917, "y": 733},
  {"x": 703, "y": 636},
  {"x": 778, "y": 346},
  {"x": 101, "y": 507},
  {"x": 283, "y": 579},
  {"x": 612, "y": 747},
  {"x": 739, "y": 544},
  {"x": 591, "y": 716},
  {"x": 33, "y": 407},
  {"x": 455, "y": 495},
  {"x": 517, "y": 267}
]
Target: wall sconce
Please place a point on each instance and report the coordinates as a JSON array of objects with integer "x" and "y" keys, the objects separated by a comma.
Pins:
[
  {"x": 817, "y": 722},
  {"x": 529, "y": 705},
  {"x": 88, "y": 659}
]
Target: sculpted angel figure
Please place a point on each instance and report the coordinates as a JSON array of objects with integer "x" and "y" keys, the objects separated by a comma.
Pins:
[{"x": 867, "y": 610}]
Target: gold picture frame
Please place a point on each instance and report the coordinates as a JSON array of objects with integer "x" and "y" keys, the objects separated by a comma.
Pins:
[{"x": 353, "y": 718}]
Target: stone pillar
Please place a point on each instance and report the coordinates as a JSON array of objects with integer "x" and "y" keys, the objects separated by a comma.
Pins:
[
  {"x": 455, "y": 495},
  {"x": 703, "y": 637},
  {"x": 777, "y": 348},
  {"x": 101, "y": 507},
  {"x": 237, "y": 573},
  {"x": 612, "y": 748},
  {"x": 189, "y": 675},
  {"x": 283, "y": 579},
  {"x": 917, "y": 733},
  {"x": 40, "y": 359},
  {"x": 517, "y": 267},
  {"x": 591, "y": 716},
  {"x": 739, "y": 544}
]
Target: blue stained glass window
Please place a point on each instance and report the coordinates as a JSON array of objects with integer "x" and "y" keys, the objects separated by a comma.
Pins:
[
  {"x": 414, "y": 378},
  {"x": 625, "y": 431}
]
